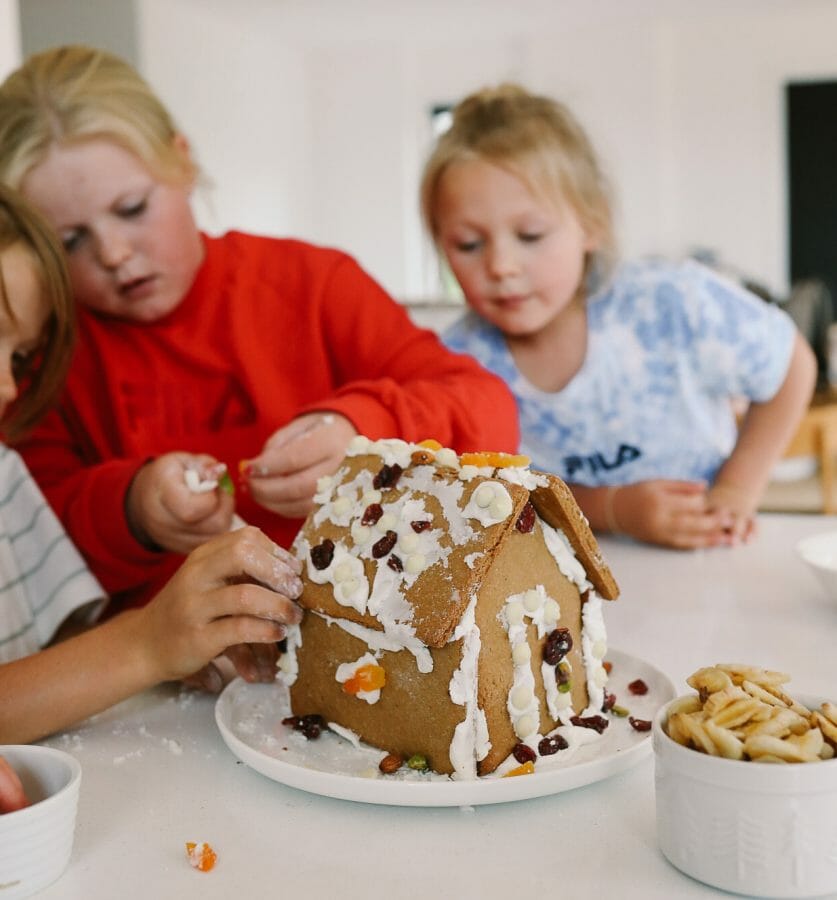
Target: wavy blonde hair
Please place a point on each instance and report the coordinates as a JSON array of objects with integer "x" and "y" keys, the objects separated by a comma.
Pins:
[
  {"x": 539, "y": 140},
  {"x": 74, "y": 93},
  {"x": 21, "y": 224}
]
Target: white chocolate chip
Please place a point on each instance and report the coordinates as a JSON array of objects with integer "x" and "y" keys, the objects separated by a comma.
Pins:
[
  {"x": 385, "y": 523},
  {"x": 324, "y": 484},
  {"x": 501, "y": 506},
  {"x": 341, "y": 506},
  {"x": 359, "y": 444},
  {"x": 525, "y": 726},
  {"x": 466, "y": 473},
  {"x": 361, "y": 533},
  {"x": 408, "y": 541},
  {"x": 521, "y": 654},
  {"x": 348, "y": 587},
  {"x": 551, "y": 611},
  {"x": 447, "y": 457},
  {"x": 521, "y": 697},
  {"x": 563, "y": 701},
  {"x": 484, "y": 495},
  {"x": 373, "y": 495},
  {"x": 599, "y": 649},
  {"x": 415, "y": 563},
  {"x": 514, "y": 612},
  {"x": 343, "y": 571},
  {"x": 531, "y": 600},
  {"x": 600, "y": 677}
]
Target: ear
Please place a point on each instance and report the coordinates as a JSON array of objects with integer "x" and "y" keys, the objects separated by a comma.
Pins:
[{"x": 182, "y": 148}]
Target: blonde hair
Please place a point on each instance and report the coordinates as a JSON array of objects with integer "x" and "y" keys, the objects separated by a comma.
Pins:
[
  {"x": 21, "y": 224},
  {"x": 539, "y": 140},
  {"x": 71, "y": 94}
]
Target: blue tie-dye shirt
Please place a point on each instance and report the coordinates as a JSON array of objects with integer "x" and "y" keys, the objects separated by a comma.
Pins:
[{"x": 668, "y": 348}]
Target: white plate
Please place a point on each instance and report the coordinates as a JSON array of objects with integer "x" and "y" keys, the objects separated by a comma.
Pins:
[{"x": 249, "y": 717}]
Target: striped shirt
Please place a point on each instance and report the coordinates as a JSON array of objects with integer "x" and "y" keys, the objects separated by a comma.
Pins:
[{"x": 43, "y": 579}]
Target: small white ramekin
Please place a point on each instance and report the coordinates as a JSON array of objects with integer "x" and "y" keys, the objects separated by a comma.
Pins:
[
  {"x": 36, "y": 842},
  {"x": 768, "y": 830}
]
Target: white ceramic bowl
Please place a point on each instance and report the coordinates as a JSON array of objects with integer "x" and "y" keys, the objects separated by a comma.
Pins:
[
  {"x": 36, "y": 842},
  {"x": 768, "y": 830},
  {"x": 820, "y": 553}
]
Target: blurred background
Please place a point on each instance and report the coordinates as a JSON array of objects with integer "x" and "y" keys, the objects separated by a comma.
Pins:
[{"x": 312, "y": 118}]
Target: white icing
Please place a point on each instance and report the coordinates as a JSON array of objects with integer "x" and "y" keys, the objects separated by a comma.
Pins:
[
  {"x": 594, "y": 647},
  {"x": 471, "y": 558},
  {"x": 470, "y": 741},
  {"x": 287, "y": 666},
  {"x": 489, "y": 504},
  {"x": 397, "y": 638},
  {"x": 523, "y": 476},
  {"x": 344, "y": 573},
  {"x": 345, "y": 733},
  {"x": 564, "y": 556}
]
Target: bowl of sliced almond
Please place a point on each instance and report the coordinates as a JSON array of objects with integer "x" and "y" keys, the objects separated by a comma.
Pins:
[{"x": 746, "y": 784}]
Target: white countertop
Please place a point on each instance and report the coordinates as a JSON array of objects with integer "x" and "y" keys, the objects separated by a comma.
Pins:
[{"x": 156, "y": 772}]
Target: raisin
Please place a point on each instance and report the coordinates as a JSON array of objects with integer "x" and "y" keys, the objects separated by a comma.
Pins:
[
  {"x": 639, "y": 724},
  {"x": 371, "y": 514},
  {"x": 312, "y": 731},
  {"x": 394, "y": 562},
  {"x": 388, "y": 476},
  {"x": 609, "y": 702},
  {"x": 292, "y": 722},
  {"x": 597, "y": 723},
  {"x": 384, "y": 545},
  {"x": 558, "y": 644},
  {"x": 526, "y": 520},
  {"x": 549, "y": 745},
  {"x": 322, "y": 554},
  {"x": 638, "y": 687},
  {"x": 523, "y": 753},
  {"x": 420, "y": 526}
]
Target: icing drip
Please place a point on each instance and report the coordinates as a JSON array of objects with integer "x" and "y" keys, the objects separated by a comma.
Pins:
[
  {"x": 594, "y": 648},
  {"x": 287, "y": 666}
]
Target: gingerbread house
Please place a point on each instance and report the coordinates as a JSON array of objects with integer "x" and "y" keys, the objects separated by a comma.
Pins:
[{"x": 453, "y": 605}]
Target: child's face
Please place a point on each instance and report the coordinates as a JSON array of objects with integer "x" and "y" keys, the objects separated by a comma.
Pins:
[
  {"x": 132, "y": 245},
  {"x": 519, "y": 260},
  {"x": 22, "y": 331}
]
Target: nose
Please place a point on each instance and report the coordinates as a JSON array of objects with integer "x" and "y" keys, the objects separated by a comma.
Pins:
[
  {"x": 113, "y": 248},
  {"x": 501, "y": 260}
]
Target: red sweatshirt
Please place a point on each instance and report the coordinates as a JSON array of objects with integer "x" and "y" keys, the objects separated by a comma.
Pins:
[{"x": 270, "y": 329}]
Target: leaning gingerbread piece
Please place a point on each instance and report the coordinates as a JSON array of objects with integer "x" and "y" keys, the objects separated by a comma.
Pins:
[{"x": 454, "y": 606}]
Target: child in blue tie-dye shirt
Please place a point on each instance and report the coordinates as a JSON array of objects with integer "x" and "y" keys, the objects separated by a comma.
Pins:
[{"x": 624, "y": 375}]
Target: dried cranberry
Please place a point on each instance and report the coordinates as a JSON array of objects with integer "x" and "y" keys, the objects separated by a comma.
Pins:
[
  {"x": 607, "y": 666},
  {"x": 609, "y": 702},
  {"x": 394, "y": 562},
  {"x": 388, "y": 476},
  {"x": 639, "y": 724},
  {"x": 371, "y": 514},
  {"x": 597, "y": 723},
  {"x": 292, "y": 722},
  {"x": 638, "y": 687},
  {"x": 549, "y": 745},
  {"x": 558, "y": 644},
  {"x": 526, "y": 520},
  {"x": 322, "y": 554},
  {"x": 420, "y": 526},
  {"x": 384, "y": 545},
  {"x": 523, "y": 753}
]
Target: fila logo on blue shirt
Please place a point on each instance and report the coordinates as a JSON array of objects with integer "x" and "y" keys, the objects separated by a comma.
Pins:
[{"x": 597, "y": 463}]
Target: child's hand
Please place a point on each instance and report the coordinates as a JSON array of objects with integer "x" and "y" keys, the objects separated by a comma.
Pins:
[
  {"x": 162, "y": 509},
  {"x": 236, "y": 590},
  {"x": 12, "y": 797},
  {"x": 738, "y": 509},
  {"x": 670, "y": 513},
  {"x": 283, "y": 478}
]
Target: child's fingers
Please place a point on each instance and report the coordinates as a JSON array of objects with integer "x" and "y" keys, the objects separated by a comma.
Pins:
[
  {"x": 254, "y": 662},
  {"x": 12, "y": 797}
]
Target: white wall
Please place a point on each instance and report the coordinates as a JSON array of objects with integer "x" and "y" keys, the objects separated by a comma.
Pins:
[
  {"x": 311, "y": 116},
  {"x": 9, "y": 37}
]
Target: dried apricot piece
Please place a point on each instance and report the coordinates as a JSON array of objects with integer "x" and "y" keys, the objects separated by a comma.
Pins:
[
  {"x": 201, "y": 856},
  {"x": 528, "y": 768},
  {"x": 430, "y": 444},
  {"x": 366, "y": 678}
]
